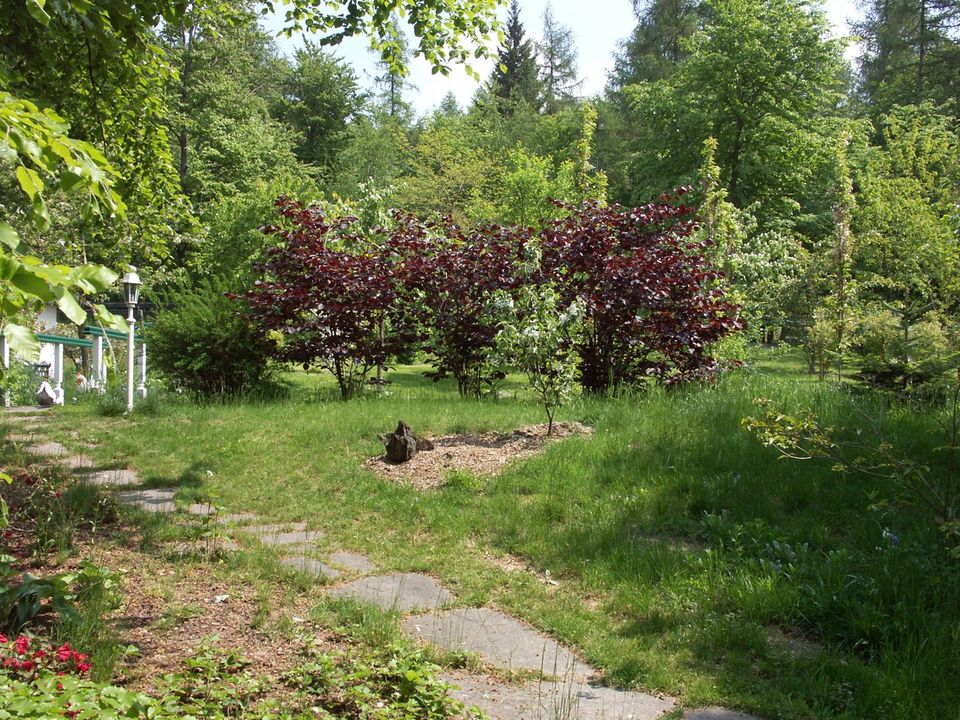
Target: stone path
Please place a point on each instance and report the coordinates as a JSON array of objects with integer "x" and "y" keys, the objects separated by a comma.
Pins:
[{"x": 562, "y": 688}]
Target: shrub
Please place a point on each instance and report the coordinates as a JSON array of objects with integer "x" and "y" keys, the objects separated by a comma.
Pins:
[
  {"x": 327, "y": 298},
  {"x": 453, "y": 277},
  {"x": 652, "y": 304},
  {"x": 902, "y": 356},
  {"x": 206, "y": 343}
]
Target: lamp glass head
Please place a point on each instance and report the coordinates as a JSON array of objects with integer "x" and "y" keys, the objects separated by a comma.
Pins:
[{"x": 131, "y": 287}]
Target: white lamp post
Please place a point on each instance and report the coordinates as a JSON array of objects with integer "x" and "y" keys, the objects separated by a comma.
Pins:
[{"x": 131, "y": 293}]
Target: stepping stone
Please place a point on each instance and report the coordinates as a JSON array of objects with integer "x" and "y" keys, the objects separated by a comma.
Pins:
[
  {"x": 202, "y": 509},
  {"x": 118, "y": 477},
  {"x": 310, "y": 566},
  {"x": 274, "y": 528},
  {"x": 352, "y": 561},
  {"x": 157, "y": 500},
  {"x": 716, "y": 713},
  {"x": 75, "y": 461},
  {"x": 404, "y": 592},
  {"x": 283, "y": 534},
  {"x": 574, "y": 700},
  {"x": 26, "y": 410},
  {"x": 206, "y": 509},
  {"x": 21, "y": 437},
  {"x": 46, "y": 449},
  {"x": 500, "y": 639},
  {"x": 188, "y": 548},
  {"x": 297, "y": 537}
]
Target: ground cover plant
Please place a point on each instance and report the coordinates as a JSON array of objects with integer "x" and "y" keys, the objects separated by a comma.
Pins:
[{"x": 687, "y": 559}]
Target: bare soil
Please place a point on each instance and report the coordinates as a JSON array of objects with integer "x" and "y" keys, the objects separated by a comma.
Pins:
[{"x": 484, "y": 454}]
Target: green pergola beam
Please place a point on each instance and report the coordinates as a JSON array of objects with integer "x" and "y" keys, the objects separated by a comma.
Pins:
[
  {"x": 69, "y": 341},
  {"x": 99, "y": 332}
]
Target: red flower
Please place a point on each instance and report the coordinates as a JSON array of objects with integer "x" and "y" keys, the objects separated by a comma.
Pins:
[
  {"x": 63, "y": 653},
  {"x": 3, "y": 638},
  {"x": 83, "y": 667},
  {"x": 28, "y": 665},
  {"x": 11, "y": 663},
  {"x": 21, "y": 645},
  {"x": 39, "y": 654}
]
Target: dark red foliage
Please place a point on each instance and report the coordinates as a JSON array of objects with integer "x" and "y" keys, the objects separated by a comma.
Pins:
[
  {"x": 451, "y": 275},
  {"x": 327, "y": 302},
  {"x": 653, "y": 305}
]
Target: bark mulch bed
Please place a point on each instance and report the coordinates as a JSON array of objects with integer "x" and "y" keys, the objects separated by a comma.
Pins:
[{"x": 484, "y": 454}]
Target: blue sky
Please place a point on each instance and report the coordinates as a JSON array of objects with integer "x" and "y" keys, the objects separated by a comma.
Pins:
[{"x": 599, "y": 25}]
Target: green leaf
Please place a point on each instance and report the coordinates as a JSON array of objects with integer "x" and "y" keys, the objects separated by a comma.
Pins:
[
  {"x": 35, "y": 8},
  {"x": 8, "y": 267},
  {"x": 108, "y": 320},
  {"x": 70, "y": 307},
  {"x": 93, "y": 278},
  {"x": 30, "y": 181},
  {"x": 22, "y": 341},
  {"x": 9, "y": 236},
  {"x": 29, "y": 283}
]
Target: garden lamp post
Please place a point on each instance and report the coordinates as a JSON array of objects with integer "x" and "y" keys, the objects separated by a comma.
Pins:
[{"x": 131, "y": 292}]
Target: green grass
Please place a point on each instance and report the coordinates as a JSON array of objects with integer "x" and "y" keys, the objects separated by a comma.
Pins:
[{"x": 695, "y": 543}]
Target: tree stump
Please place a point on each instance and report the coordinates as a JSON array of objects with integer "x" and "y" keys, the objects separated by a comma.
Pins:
[{"x": 401, "y": 444}]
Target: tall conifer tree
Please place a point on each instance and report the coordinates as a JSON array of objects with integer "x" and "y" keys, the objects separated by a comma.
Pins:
[
  {"x": 515, "y": 76},
  {"x": 558, "y": 62}
]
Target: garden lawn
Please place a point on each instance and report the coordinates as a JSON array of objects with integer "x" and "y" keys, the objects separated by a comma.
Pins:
[{"x": 683, "y": 556}]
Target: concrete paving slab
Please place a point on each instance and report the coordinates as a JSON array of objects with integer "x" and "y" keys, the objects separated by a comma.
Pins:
[
  {"x": 206, "y": 509},
  {"x": 21, "y": 437},
  {"x": 47, "y": 449},
  {"x": 499, "y": 639},
  {"x": 310, "y": 566},
  {"x": 274, "y": 528},
  {"x": 716, "y": 713},
  {"x": 154, "y": 500},
  {"x": 297, "y": 537},
  {"x": 404, "y": 592},
  {"x": 117, "y": 477},
  {"x": 541, "y": 700},
  {"x": 75, "y": 462},
  {"x": 357, "y": 562},
  {"x": 26, "y": 410}
]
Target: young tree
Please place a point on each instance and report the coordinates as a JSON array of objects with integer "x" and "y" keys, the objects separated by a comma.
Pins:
[
  {"x": 557, "y": 56},
  {"x": 514, "y": 77},
  {"x": 538, "y": 336},
  {"x": 454, "y": 276}
]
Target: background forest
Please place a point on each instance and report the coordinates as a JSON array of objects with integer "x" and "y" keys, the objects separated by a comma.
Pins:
[{"x": 752, "y": 104}]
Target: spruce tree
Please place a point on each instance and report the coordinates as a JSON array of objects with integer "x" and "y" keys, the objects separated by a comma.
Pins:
[{"x": 515, "y": 76}]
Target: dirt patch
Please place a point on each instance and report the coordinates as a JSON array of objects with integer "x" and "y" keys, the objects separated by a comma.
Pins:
[
  {"x": 169, "y": 611},
  {"x": 484, "y": 454}
]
